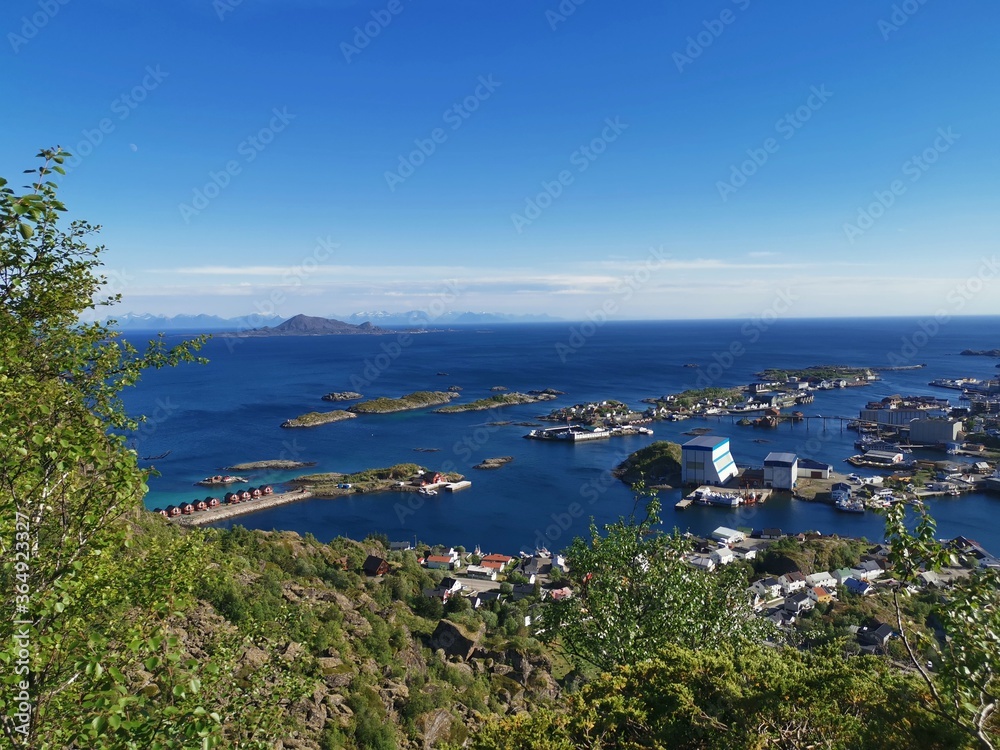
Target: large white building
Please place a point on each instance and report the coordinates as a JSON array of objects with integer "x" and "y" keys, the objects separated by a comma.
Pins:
[
  {"x": 781, "y": 470},
  {"x": 707, "y": 460},
  {"x": 927, "y": 431}
]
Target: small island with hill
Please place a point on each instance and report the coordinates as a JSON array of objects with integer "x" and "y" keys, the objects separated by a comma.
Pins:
[
  {"x": 658, "y": 464},
  {"x": 317, "y": 418},
  {"x": 308, "y": 325},
  {"x": 417, "y": 400}
]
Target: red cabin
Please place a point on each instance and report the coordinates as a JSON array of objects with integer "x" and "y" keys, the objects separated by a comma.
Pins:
[
  {"x": 187, "y": 509},
  {"x": 255, "y": 492},
  {"x": 245, "y": 495},
  {"x": 266, "y": 489},
  {"x": 173, "y": 510},
  {"x": 232, "y": 498},
  {"x": 201, "y": 505},
  {"x": 160, "y": 511},
  {"x": 212, "y": 502}
]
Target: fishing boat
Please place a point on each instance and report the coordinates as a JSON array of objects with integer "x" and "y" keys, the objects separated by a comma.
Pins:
[{"x": 846, "y": 505}]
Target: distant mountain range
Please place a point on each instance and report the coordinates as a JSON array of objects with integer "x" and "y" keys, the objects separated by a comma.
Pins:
[
  {"x": 410, "y": 319},
  {"x": 422, "y": 318}
]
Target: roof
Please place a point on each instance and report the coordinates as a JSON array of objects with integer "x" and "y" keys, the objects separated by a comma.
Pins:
[
  {"x": 705, "y": 443},
  {"x": 820, "y": 591},
  {"x": 494, "y": 557},
  {"x": 772, "y": 532},
  {"x": 795, "y": 575},
  {"x": 439, "y": 558},
  {"x": 726, "y": 531},
  {"x": 372, "y": 564},
  {"x": 882, "y": 454},
  {"x": 808, "y": 463},
  {"x": 780, "y": 459},
  {"x": 770, "y": 582}
]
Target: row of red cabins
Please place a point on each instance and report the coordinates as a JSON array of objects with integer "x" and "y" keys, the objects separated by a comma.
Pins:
[{"x": 232, "y": 498}]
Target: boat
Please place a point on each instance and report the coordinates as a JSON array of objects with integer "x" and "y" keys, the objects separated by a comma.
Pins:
[
  {"x": 427, "y": 491},
  {"x": 846, "y": 505}
]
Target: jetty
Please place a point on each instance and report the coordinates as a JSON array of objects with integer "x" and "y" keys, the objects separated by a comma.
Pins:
[{"x": 225, "y": 512}]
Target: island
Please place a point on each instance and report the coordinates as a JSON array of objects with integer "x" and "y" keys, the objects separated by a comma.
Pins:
[
  {"x": 308, "y": 325},
  {"x": 494, "y": 463},
  {"x": 981, "y": 353},
  {"x": 417, "y": 400},
  {"x": 503, "y": 399},
  {"x": 658, "y": 464},
  {"x": 546, "y": 392},
  {"x": 279, "y": 464},
  {"x": 316, "y": 418},
  {"x": 342, "y": 396},
  {"x": 820, "y": 372},
  {"x": 406, "y": 477}
]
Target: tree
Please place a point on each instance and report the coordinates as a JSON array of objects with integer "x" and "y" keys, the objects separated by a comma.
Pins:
[
  {"x": 94, "y": 654},
  {"x": 963, "y": 683},
  {"x": 634, "y": 593}
]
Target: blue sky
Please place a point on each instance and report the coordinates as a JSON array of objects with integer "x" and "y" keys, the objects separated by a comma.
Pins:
[{"x": 705, "y": 160}]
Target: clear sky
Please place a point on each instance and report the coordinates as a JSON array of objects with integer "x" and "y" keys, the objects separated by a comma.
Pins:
[{"x": 655, "y": 159}]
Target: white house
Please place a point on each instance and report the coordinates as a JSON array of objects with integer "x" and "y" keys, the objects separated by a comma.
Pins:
[
  {"x": 822, "y": 579},
  {"x": 722, "y": 556},
  {"x": 745, "y": 553},
  {"x": 781, "y": 470},
  {"x": 707, "y": 460},
  {"x": 792, "y": 582},
  {"x": 868, "y": 570},
  {"x": 768, "y": 588},
  {"x": 728, "y": 536}
]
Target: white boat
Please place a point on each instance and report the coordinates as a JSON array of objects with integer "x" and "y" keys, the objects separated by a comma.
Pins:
[{"x": 427, "y": 491}]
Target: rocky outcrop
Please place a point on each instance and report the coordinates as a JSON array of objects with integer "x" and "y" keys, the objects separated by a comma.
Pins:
[
  {"x": 316, "y": 418},
  {"x": 494, "y": 463},
  {"x": 342, "y": 396},
  {"x": 455, "y": 640}
]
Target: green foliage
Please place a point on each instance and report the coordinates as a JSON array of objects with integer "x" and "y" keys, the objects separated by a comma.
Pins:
[
  {"x": 490, "y": 402},
  {"x": 635, "y": 594},
  {"x": 734, "y": 699},
  {"x": 101, "y": 588}
]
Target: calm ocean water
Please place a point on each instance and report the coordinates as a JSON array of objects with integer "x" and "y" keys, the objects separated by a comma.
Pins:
[{"x": 229, "y": 411}]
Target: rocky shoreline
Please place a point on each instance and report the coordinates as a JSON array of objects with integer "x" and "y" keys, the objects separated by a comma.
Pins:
[
  {"x": 495, "y": 402},
  {"x": 494, "y": 463},
  {"x": 317, "y": 418}
]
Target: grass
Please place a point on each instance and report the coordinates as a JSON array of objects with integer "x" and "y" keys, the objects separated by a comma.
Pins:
[
  {"x": 316, "y": 418},
  {"x": 417, "y": 400},
  {"x": 504, "y": 399}
]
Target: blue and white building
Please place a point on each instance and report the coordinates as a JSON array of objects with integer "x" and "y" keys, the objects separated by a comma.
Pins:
[
  {"x": 781, "y": 470},
  {"x": 707, "y": 460}
]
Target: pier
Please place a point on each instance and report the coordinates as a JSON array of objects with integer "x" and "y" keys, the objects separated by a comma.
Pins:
[{"x": 225, "y": 512}]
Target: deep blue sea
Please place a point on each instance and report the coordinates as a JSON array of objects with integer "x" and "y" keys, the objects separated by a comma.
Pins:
[{"x": 230, "y": 411}]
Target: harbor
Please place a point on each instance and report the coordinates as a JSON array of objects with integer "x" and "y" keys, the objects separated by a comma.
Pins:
[
  {"x": 577, "y": 433},
  {"x": 724, "y": 497}
]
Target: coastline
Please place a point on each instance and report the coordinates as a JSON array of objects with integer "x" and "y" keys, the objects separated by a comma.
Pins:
[{"x": 225, "y": 512}]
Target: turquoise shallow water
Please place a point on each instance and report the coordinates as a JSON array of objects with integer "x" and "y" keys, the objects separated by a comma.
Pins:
[{"x": 229, "y": 411}]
